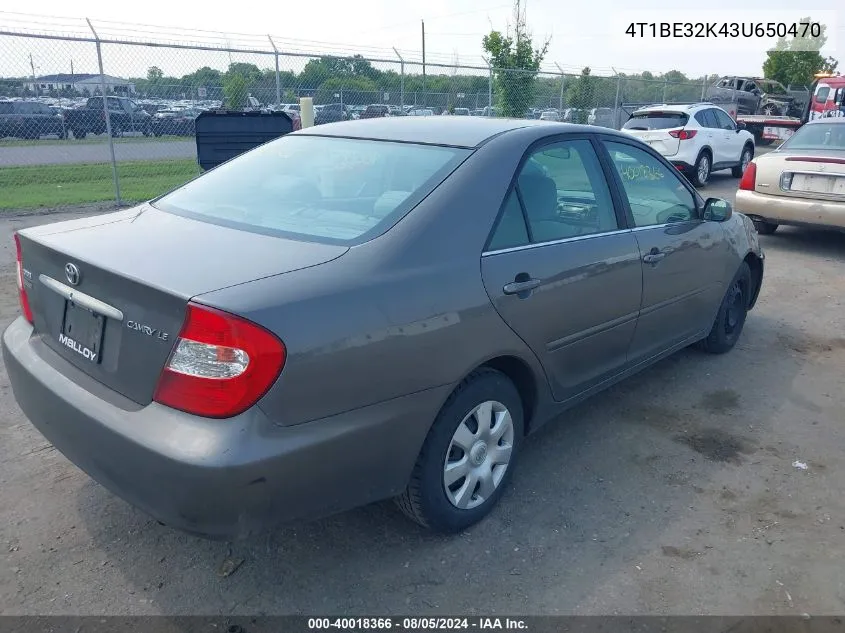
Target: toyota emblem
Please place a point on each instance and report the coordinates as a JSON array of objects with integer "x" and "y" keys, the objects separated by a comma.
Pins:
[{"x": 72, "y": 273}]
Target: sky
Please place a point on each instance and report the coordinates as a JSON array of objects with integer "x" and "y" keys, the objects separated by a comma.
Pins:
[{"x": 580, "y": 33}]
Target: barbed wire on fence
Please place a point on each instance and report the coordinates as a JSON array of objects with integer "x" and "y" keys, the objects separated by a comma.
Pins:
[{"x": 138, "y": 141}]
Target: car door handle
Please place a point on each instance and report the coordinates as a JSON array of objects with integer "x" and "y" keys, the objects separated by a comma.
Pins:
[
  {"x": 653, "y": 258},
  {"x": 517, "y": 287}
]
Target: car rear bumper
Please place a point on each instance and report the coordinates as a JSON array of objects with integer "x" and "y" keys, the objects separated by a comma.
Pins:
[
  {"x": 785, "y": 210},
  {"x": 217, "y": 478},
  {"x": 681, "y": 165}
]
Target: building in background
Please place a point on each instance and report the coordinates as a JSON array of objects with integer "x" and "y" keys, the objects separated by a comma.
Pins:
[{"x": 81, "y": 83}]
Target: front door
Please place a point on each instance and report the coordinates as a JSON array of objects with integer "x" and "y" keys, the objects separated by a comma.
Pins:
[
  {"x": 562, "y": 269},
  {"x": 682, "y": 256}
]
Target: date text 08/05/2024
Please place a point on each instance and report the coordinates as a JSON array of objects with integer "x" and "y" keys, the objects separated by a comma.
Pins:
[
  {"x": 415, "y": 624},
  {"x": 724, "y": 29}
]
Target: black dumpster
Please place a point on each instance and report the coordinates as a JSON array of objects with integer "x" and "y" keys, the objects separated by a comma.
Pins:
[{"x": 224, "y": 134}]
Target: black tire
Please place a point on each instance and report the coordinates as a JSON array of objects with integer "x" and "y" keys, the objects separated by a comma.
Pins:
[
  {"x": 765, "y": 228},
  {"x": 730, "y": 319},
  {"x": 698, "y": 176},
  {"x": 737, "y": 171},
  {"x": 425, "y": 499}
]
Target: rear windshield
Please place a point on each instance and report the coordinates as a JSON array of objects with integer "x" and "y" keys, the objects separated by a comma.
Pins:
[
  {"x": 817, "y": 136},
  {"x": 336, "y": 190},
  {"x": 656, "y": 121}
]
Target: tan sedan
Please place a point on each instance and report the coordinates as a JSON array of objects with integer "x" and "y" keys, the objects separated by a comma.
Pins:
[{"x": 802, "y": 183}]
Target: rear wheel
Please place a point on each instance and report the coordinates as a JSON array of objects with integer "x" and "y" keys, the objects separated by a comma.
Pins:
[
  {"x": 468, "y": 456},
  {"x": 732, "y": 313},
  {"x": 765, "y": 228},
  {"x": 701, "y": 170}
]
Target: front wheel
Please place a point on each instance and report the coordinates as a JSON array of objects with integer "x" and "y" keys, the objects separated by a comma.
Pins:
[
  {"x": 468, "y": 456},
  {"x": 744, "y": 159},
  {"x": 732, "y": 313}
]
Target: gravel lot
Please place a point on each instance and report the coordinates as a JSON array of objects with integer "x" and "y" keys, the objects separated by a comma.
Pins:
[{"x": 672, "y": 493}]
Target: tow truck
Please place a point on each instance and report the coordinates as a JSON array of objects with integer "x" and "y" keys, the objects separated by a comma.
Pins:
[{"x": 827, "y": 99}]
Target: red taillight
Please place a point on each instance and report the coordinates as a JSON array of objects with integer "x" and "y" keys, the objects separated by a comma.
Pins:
[
  {"x": 749, "y": 178},
  {"x": 220, "y": 366},
  {"x": 24, "y": 298},
  {"x": 682, "y": 134}
]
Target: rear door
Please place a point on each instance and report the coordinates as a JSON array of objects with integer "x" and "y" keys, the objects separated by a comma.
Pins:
[
  {"x": 562, "y": 269},
  {"x": 732, "y": 143},
  {"x": 708, "y": 130},
  {"x": 683, "y": 257}
]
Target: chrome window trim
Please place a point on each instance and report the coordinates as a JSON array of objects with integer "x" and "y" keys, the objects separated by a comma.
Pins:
[
  {"x": 564, "y": 240},
  {"x": 579, "y": 238},
  {"x": 81, "y": 299}
]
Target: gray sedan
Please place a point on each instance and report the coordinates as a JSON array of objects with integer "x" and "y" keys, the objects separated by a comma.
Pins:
[{"x": 372, "y": 309}]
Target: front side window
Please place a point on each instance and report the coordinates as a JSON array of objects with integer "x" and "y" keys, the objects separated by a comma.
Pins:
[
  {"x": 336, "y": 190},
  {"x": 655, "y": 193}
]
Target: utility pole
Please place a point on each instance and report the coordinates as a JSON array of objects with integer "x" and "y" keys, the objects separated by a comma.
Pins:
[
  {"x": 32, "y": 67},
  {"x": 425, "y": 98}
]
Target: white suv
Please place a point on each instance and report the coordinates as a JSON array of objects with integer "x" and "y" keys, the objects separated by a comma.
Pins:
[{"x": 698, "y": 139}]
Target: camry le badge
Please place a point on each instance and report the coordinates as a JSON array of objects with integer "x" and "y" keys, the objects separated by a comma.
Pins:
[
  {"x": 72, "y": 273},
  {"x": 149, "y": 331}
]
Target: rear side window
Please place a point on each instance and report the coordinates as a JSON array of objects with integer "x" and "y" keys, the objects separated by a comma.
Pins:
[
  {"x": 335, "y": 190},
  {"x": 656, "y": 121},
  {"x": 723, "y": 120},
  {"x": 705, "y": 118},
  {"x": 561, "y": 193},
  {"x": 821, "y": 94}
]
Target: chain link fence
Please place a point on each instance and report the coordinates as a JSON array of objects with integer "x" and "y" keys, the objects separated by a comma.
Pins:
[{"x": 90, "y": 113}]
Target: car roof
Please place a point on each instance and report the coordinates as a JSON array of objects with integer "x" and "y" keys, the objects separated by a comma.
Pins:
[
  {"x": 464, "y": 132},
  {"x": 677, "y": 107},
  {"x": 828, "y": 119}
]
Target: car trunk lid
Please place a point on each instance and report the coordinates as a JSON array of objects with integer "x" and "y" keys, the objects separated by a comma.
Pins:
[
  {"x": 816, "y": 175},
  {"x": 653, "y": 128},
  {"x": 109, "y": 293}
]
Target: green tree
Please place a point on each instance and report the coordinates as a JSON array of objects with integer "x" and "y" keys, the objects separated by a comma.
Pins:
[
  {"x": 235, "y": 90},
  {"x": 581, "y": 94},
  {"x": 515, "y": 64},
  {"x": 796, "y": 60},
  {"x": 350, "y": 89},
  {"x": 154, "y": 74},
  {"x": 238, "y": 81}
]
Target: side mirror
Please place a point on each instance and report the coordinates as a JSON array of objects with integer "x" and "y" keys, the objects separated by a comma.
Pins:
[
  {"x": 717, "y": 210},
  {"x": 740, "y": 126}
]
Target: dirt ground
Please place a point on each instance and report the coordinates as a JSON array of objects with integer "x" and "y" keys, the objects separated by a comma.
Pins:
[{"x": 675, "y": 492}]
